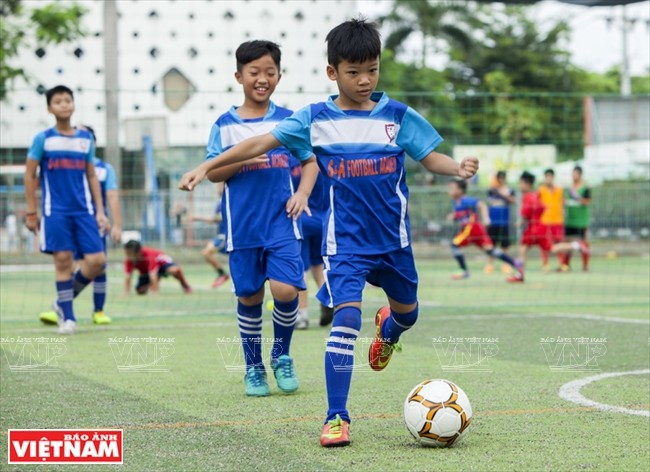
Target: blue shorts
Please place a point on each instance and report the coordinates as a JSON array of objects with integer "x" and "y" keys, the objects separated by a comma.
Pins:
[
  {"x": 250, "y": 268},
  {"x": 219, "y": 243},
  {"x": 76, "y": 232},
  {"x": 311, "y": 248},
  {"x": 78, "y": 255},
  {"x": 346, "y": 276}
]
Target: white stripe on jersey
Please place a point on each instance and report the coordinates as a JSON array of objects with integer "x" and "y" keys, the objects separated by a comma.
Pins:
[
  {"x": 296, "y": 229},
  {"x": 229, "y": 245},
  {"x": 48, "y": 197},
  {"x": 326, "y": 268},
  {"x": 89, "y": 196},
  {"x": 354, "y": 130},
  {"x": 403, "y": 234},
  {"x": 331, "y": 230},
  {"x": 235, "y": 133},
  {"x": 62, "y": 143},
  {"x": 42, "y": 235}
]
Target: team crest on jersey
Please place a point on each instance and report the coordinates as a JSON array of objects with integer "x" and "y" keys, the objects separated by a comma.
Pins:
[
  {"x": 391, "y": 130},
  {"x": 84, "y": 144}
]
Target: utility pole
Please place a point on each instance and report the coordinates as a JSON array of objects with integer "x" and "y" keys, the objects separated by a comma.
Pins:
[
  {"x": 111, "y": 88},
  {"x": 626, "y": 85}
]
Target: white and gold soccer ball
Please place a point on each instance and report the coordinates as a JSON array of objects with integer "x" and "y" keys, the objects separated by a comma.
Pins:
[{"x": 437, "y": 413}]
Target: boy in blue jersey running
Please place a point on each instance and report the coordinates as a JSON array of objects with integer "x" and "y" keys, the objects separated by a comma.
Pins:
[
  {"x": 360, "y": 138},
  {"x": 500, "y": 198},
  {"x": 110, "y": 198},
  {"x": 72, "y": 211},
  {"x": 260, "y": 209},
  {"x": 466, "y": 212}
]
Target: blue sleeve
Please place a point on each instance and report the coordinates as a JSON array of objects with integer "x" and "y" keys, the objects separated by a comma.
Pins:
[
  {"x": 214, "y": 142},
  {"x": 91, "y": 151},
  {"x": 35, "y": 151},
  {"x": 111, "y": 180},
  {"x": 294, "y": 133},
  {"x": 416, "y": 135},
  {"x": 473, "y": 203}
]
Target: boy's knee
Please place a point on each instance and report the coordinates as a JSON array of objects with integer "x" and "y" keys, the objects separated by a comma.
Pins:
[
  {"x": 348, "y": 316},
  {"x": 455, "y": 249}
]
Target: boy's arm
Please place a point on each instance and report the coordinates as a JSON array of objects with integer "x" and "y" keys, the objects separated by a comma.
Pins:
[
  {"x": 153, "y": 276},
  {"x": 485, "y": 215},
  {"x": 31, "y": 185},
  {"x": 113, "y": 200},
  {"x": 127, "y": 283},
  {"x": 96, "y": 191},
  {"x": 298, "y": 201},
  {"x": 241, "y": 152},
  {"x": 442, "y": 164},
  {"x": 222, "y": 174}
]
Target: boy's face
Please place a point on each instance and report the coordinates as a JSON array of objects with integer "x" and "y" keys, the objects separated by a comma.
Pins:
[
  {"x": 524, "y": 186},
  {"x": 356, "y": 81},
  {"x": 501, "y": 180},
  {"x": 454, "y": 190},
  {"x": 61, "y": 106},
  {"x": 577, "y": 175},
  {"x": 131, "y": 255},
  {"x": 548, "y": 179},
  {"x": 259, "y": 79}
]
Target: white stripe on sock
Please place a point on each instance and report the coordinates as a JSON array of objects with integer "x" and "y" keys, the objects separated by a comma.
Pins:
[
  {"x": 340, "y": 340},
  {"x": 346, "y": 330},
  {"x": 338, "y": 350}
]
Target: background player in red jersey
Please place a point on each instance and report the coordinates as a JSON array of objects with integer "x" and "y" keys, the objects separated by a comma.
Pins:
[
  {"x": 152, "y": 264},
  {"x": 536, "y": 233}
]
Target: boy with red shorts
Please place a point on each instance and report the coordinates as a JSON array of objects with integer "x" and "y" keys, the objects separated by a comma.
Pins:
[{"x": 466, "y": 211}]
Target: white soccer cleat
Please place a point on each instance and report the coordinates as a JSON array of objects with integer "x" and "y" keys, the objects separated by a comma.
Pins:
[{"x": 67, "y": 327}]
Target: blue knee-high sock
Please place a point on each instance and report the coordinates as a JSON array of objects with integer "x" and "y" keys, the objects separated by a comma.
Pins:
[
  {"x": 285, "y": 315},
  {"x": 65, "y": 294},
  {"x": 79, "y": 282},
  {"x": 339, "y": 360},
  {"x": 455, "y": 250},
  {"x": 397, "y": 323},
  {"x": 249, "y": 320},
  {"x": 99, "y": 292},
  {"x": 499, "y": 254}
]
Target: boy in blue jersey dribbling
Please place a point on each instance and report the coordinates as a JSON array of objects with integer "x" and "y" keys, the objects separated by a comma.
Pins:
[
  {"x": 110, "y": 198},
  {"x": 260, "y": 209},
  {"x": 360, "y": 138},
  {"x": 72, "y": 211}
]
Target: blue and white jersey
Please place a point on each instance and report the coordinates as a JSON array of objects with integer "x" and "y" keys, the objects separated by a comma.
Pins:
[
  {"x": 254, "y": 199},
  {"x": 318, "y": 204},
  {"x": 362, "y": 153},
  {"x": 63, "y": 160},
  {"x": 107, "y": 179}
]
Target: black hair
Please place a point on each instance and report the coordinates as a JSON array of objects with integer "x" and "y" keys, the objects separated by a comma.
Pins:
[
  {"x": 252, "y": 50},
  {"x": 501, "y": 174},
  {"x": 91, "y": 131},
  {"x": 57, "y": 90},
  {"x": 578, "y": 168},
  {"x": 528, "y": 178},
  {"x": 549, "y": 172},
  {"x": 461, "y": 184},
  {"x": 355, "y": 40},
  {"x": 133, "y": 245}
]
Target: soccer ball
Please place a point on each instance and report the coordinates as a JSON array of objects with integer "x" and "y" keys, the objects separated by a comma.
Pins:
[{"x": 437, "y": 413}]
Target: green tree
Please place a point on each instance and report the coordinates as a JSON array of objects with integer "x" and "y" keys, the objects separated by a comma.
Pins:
[
  {"x": 436, "y": 22},
  {"x": 51, "y": 24},
  {"x": 506, "y": 39}
]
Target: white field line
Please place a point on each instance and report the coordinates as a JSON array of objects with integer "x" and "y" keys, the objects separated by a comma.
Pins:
[
  {"x": 369, "y": 316},
  {"x": 571, "y": 392}
]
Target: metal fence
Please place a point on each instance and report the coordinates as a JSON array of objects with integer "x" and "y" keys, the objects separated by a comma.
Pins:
[{"x": 619, "y": 212}]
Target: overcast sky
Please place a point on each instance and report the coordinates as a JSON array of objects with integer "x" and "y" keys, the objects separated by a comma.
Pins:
[{"x": 593, "y": 45}]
